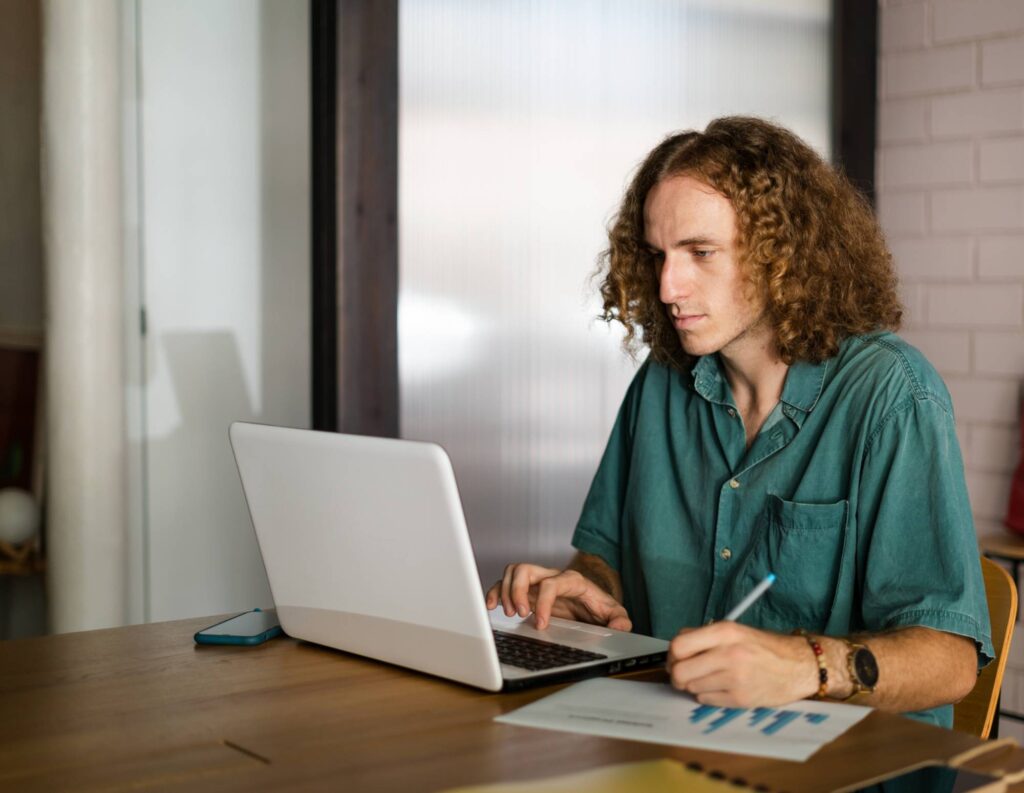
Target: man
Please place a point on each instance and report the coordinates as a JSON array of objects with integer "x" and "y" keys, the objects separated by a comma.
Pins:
[{"x": 777, "y": 426}]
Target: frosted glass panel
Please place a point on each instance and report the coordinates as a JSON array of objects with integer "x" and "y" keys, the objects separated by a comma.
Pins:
[{"x": 520, "y": 125}]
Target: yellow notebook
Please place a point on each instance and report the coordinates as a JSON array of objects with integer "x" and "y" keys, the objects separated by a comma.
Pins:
[{"x": 655, "y": 776}]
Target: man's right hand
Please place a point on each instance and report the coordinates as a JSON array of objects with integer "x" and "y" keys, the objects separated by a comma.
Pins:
[{"x": 548, "y": 592}]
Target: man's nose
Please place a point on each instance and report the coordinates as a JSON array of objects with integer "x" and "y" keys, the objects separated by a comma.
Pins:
[{"x": 676, "y": 280}]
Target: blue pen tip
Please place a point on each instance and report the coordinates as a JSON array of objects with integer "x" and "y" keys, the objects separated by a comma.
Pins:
[{"x": 771, "y": 576}]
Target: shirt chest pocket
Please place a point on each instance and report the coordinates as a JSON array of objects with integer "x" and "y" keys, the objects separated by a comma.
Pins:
[{"x": 802, "y": 544}]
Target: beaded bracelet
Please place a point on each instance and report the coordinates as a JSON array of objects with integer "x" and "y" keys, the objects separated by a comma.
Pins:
[{"x": 819, "y": 656}]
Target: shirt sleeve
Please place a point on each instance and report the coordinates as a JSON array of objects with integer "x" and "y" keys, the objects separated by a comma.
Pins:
[
  {"x": 918, "y": 548},
  {"x": 598, "y": 530}
]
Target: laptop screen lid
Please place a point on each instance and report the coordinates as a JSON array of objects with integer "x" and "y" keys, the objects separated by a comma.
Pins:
[{"x": 366, "y": 548}]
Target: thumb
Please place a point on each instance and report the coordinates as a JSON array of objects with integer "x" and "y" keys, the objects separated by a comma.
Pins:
[{"x": 620, "y": 621}]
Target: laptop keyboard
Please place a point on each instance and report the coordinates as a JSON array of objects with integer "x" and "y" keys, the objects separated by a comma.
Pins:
[{"x": 534, "y": 654}]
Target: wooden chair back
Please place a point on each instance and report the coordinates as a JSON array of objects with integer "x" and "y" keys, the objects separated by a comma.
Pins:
[{"x": 976, "y": 712}]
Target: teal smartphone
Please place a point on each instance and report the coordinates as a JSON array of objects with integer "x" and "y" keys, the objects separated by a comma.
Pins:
[{"x": 252, "y": 627}]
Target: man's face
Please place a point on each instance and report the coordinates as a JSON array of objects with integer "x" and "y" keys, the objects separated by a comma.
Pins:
[{"x": 691, "y": 229}]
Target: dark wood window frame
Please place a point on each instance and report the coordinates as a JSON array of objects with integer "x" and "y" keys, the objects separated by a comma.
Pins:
[
  {"x": 354, "y": 83},
  {"x": 855, "y": 90}
]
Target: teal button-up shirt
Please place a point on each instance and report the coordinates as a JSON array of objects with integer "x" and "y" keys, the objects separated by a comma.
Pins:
[{"x": 853, "y": 494}]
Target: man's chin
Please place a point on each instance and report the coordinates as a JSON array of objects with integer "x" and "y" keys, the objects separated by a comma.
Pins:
[{"x": 694, "y": 347}]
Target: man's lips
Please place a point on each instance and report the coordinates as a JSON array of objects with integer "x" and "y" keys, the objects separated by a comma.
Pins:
[{"x": 684, "y": 321}]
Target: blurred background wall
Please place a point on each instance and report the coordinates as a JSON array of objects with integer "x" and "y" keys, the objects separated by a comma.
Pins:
[{"x": 218, "y": 119}]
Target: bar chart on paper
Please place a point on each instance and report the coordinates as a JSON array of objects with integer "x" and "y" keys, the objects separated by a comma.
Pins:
[
  {"x": 769, "y": 721},
  {"x": 657, "y": 713}
]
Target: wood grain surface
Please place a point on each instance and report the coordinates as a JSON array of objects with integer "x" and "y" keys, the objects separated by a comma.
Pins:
[{"x": 143, "y": 708}]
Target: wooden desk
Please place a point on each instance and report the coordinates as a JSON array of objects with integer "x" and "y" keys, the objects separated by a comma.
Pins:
[{"x": 143, "y": 708}]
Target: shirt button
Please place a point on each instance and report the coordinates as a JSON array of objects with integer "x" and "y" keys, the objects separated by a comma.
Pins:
[
  {"x": 726, "y": 554},
  {"x": 731, "y": 412},
  {"x": 733, "y": 483}
]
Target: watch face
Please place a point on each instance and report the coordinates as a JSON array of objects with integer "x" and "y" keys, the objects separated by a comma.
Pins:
[{"x": 866, "y": 667}]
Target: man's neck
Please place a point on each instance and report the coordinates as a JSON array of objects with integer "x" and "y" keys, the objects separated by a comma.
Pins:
[{"x": 756, "y": 376}]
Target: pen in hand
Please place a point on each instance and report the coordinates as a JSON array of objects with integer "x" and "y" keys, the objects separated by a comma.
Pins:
[{"x": 749, "y": 600}]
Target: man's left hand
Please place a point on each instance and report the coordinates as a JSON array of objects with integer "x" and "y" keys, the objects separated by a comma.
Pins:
[{"x": 732, "y": 665}]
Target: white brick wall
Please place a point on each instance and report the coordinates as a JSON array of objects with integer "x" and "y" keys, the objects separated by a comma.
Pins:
[
  {"x": 956, "y": 20},
  {"x": 974, "y": 305},
  {"x": 971, "y": 112},
  {"x": 977, "y": 209},
  {"x": 902, "y": 120},
  {"x": 1002, "y": 62},
  {"x": 927, "y": 70},
  {"x": 902, "y": 212},
  {"x": 1001, "y": 257},
  {"x": 935, "y": 258},
  {"x": 1001, "y": 160},
  {"x": 998, "y": 353},
  {"x": 984, "y": 400},
  {"x": 951, "y": 201},
  {"x": 928, "y": 164}
]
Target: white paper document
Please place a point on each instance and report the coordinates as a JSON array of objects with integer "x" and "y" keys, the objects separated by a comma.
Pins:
[{"x": 657, "y": 713}]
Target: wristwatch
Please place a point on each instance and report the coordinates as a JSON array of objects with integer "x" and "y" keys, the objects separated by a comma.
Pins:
[{"x": 863, "y": 668}]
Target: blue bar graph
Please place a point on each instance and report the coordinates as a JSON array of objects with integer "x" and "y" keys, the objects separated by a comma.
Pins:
[
  {"x": 702, "y": 713},
  {"x": 769, "y": 721},
  {"x": 728, "y": 714},
  {"x": 782, "y": 718}
]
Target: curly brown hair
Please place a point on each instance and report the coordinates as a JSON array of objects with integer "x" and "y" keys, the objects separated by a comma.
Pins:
[{"x": 808, "y": 241}]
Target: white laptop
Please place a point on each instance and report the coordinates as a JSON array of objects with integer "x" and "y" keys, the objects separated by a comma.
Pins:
[{"x": 367, "y": 551}]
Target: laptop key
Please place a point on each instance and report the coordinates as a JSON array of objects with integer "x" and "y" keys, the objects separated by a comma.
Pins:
[{"x": 534, "y": 654}]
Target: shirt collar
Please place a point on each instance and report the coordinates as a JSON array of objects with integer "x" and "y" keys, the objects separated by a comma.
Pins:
[
  {"x": 804, "y": 382},
  {"x": 709, "y": 380}
]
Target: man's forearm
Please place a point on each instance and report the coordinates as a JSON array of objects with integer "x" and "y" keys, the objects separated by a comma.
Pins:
[
  {"x": 918, "y": 668},
  {"x": 599, "y": 571}
]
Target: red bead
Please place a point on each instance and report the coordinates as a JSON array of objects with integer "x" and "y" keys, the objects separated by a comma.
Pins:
[{"x": 817, "y": 649}]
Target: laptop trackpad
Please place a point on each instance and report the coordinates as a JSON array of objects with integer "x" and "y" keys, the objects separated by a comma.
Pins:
[
  {"x": 558, "y": 630},
  {"x": 582, "y": 627}
]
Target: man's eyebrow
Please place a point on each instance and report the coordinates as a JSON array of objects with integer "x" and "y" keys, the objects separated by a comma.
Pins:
[{"x": 686, "y": 243}]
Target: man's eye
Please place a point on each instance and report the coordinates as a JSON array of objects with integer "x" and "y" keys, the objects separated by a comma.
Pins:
[{"x": 701, "y": 253}]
